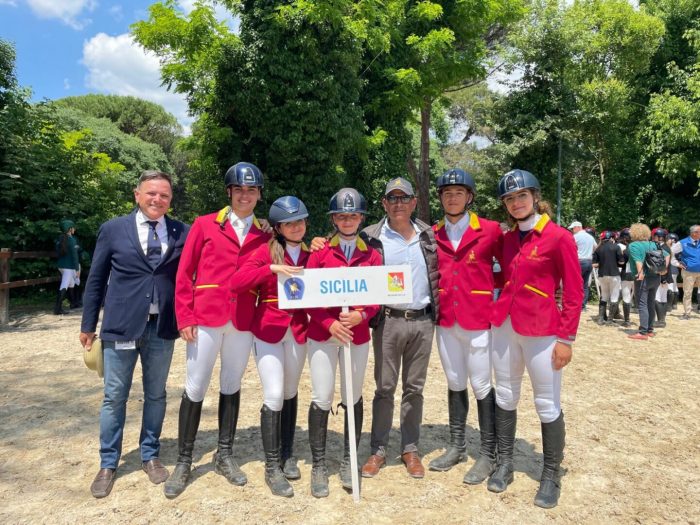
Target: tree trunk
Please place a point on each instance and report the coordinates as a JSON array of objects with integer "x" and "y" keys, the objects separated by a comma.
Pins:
[{"x": 423, "y": 175}]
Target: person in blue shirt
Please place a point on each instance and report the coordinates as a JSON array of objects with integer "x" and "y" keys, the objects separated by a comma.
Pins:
[{"x": 687, "y": 253}]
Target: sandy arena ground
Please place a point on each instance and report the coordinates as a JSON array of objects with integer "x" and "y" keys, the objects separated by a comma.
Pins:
[{"x": 632, "y": 456}]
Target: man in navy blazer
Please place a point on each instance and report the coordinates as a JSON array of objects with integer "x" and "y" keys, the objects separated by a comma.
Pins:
[{"x": 133, "y": 274}]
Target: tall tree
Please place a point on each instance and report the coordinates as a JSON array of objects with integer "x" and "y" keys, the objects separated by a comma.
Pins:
[
  {"x": 133, "y": 116},
  {"x": 580, "y": 63}
]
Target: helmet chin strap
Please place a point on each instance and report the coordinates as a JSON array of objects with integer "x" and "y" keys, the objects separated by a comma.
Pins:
[
  {"x": 462, "y": 214},
  {"x": 532, "y": 214}
]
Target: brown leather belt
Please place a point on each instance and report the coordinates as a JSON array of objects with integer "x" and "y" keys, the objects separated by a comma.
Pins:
[{"x": 409, "y": 315}]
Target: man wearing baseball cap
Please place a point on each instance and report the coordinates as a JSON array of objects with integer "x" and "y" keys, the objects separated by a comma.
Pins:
[
  {"x": 585, "y": 244},
  {"x": 403, "y": 334}
]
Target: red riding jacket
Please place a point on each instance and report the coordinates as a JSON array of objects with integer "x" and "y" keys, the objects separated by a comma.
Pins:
[{"x": 209, "y": 261}]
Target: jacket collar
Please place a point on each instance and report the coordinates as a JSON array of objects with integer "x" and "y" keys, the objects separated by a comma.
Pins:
[{"x": 335, "y": 241}]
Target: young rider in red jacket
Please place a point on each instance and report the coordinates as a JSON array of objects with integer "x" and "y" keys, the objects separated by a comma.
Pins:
[
  {"x": 215, "y": 321},
  {"x": 467, "y": 245},
  {"x": 330, "y": 330},
  {"x": 530, "y": 330}
]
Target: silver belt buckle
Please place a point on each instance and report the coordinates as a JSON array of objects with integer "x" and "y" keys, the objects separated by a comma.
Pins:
[{"x": 407, "y": 315}]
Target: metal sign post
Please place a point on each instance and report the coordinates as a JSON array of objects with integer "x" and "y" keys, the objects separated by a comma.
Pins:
[{"x": 345, "y": 287}]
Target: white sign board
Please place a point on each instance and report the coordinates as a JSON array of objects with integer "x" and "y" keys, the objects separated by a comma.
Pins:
[{"x": 350, "y": 286}]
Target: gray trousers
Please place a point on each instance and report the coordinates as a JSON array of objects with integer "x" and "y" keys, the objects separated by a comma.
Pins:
[{"x": 398, "y": 342}]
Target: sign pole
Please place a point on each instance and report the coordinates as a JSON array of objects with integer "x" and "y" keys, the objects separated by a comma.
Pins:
[{"x": 350, "y": 412}]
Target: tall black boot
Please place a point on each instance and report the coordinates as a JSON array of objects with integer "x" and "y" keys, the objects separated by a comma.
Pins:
[
  {"x": 602, "y": 312},
  {"x": 553, "y": 439},
  {"x": 660, "y": 314},
  {"x": 457, "y": 408},
  {"x": 58, "y": 307},
  {"x": 626, "y": 310},
  {"x": 486, "y": 462},
  {"x": 224, "y": 463},
  {"x": 270, "y": 428},
  {"x": 505, "y": 435},
  {"x": 318, "y": 429},
  {"x": 674, "y": 305},
  {"x": 188, "y": 424},
  {"x": 345, "y": 466},
  {"x": 669, "y": 301},
  {"x": 289, "y": 423},
  {"x": 617, "y": 316},
  {"x": 614, "y": 313},
  {"x": 75, "y": 297}
]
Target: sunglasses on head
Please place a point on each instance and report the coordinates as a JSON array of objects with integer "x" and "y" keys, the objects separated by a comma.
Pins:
[{"x": 404, "y": 199}]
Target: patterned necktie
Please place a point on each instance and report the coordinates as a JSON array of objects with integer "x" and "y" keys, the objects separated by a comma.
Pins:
[
  {"x": 153, "y": 248},
  {"x": 348, "y": 249}
]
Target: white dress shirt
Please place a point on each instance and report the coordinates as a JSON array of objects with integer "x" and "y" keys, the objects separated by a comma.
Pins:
[
  {"x": 456, "y": 231},
  {"x": 143, "y": 229},
  {"x": 398, "y": 250},
  {"x": 241, "y": 226}
]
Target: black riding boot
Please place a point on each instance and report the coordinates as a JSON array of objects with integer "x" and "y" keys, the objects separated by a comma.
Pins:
[
  {"x": 58, "y": 307},
  {"x": 660, "y": 314},
  {"x": 614, "y": 312},
  {"x": 318, "y": 429},
  {"x": 618, "y": 315},
  {"x": 674, "y": 304},
  {"x": 669, "y": 301},
  {"x": 188, "y": 424},
  {"x": 602, "y": 312},
  {"x": 457, "y": 408},
  {"x": 224, "y": 463},
  {"x": 345, "y": 466},
  {"x": 289, "y": 423},
  {"x": 505, "y": 435},
  {"x": 270, "y": 428},
  {"x": 553, "y": 439},
  {"x": 486, "y": 462},
  {"x": 626, "y": 310},
  {"x": 74, "y": 297}
]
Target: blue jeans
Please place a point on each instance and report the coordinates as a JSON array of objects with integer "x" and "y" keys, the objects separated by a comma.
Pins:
[
  {"x": 586, "y": 270},
  {"x": 647, "y": 302},
  {"x": 156, "y": 355}
]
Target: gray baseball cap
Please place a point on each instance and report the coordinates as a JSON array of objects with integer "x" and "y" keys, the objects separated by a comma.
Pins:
[{"x": 399, "y": 183}]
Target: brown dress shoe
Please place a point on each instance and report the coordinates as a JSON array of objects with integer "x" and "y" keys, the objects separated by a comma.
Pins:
[
  {"x": 103, "y": 482},
  {"x": 157, "y": 473},
  {"x": 413, "y": 465},
  {"x": 372, "y": 465}
]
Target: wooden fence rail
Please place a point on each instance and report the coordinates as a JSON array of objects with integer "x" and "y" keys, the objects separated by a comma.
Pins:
[{"x": 6, "y": 255}]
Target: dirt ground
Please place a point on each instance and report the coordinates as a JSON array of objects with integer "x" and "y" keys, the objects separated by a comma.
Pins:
[{"x": 632, "y": 456}]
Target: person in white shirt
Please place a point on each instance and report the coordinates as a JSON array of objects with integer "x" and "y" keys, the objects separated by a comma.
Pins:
[{"x": 585, "y": 244}]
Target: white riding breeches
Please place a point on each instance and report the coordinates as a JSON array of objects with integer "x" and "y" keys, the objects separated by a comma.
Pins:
[
  {"x": 323, "y": 358},
  {"x": 279, "y": 366},
  {"x": 512, "y": 354},
  {"x": 234, "y": 347},
  {"x": 69, "y": 278},
  {"x": 466, "y": 355},
  {"x": 609, "y": 288},
  {"x": 627, "y": 291}
]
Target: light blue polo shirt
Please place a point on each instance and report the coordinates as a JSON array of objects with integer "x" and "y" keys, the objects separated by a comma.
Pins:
[{"x": 398, "y": 250}]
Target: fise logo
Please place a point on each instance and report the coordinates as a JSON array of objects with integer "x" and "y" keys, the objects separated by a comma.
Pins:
[
  {"x": 396, "y": 282},
  {"x": 294, "y": 288}
]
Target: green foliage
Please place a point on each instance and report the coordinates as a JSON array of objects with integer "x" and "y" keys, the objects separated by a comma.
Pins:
[
  {"x": 133, "y": 116},
  {"x": 57, "y": 161},
  {"x": 580, "y": 65}
]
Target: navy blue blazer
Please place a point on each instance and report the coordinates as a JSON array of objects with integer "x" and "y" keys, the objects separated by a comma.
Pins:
[{"x": 120, "y": 262}]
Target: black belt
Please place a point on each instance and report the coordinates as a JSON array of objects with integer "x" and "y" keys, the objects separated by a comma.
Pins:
[
  {"x": 410, "y": 315},
  {"x": 152, "y": 317}
]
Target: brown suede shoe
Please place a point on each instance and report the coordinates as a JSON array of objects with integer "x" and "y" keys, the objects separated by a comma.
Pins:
[
  {"x": 413, "y": 465},
  {"x": 157, "y": 473},
  {"x": 102, "y": 485},
  {"x": 372, "y": 465}
]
